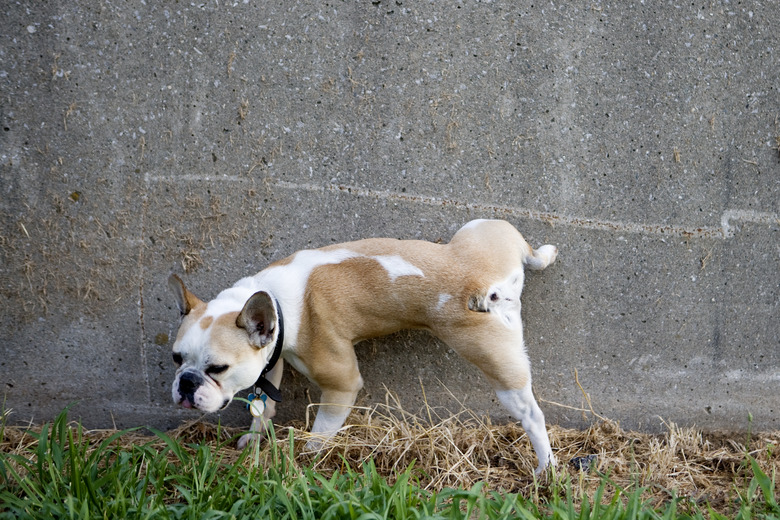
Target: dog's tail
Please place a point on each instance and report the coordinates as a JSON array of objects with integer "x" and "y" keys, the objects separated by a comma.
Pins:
[{"x": 540, "y": 258}]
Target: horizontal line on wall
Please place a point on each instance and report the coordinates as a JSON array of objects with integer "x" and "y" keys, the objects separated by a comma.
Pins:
[{"x": 727, "y": 228}]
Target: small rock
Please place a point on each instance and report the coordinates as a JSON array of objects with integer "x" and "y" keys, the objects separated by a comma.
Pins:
[{"x": 584, "y": 463}]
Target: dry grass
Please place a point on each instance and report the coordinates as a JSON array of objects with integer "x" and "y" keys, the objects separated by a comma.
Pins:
[{"x": 463, "y": 449}]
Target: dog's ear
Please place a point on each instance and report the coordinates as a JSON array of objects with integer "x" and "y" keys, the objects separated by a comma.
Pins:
[
  {"x": 185, "y": 300},
  {"x": 259, "y": 318}
]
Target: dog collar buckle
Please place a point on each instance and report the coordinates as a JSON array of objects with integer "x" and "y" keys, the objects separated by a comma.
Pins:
[{"x": 266, "y": 388}]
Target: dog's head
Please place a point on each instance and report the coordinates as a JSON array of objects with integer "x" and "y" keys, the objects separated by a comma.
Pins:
[{"x": 220, "y": 351}]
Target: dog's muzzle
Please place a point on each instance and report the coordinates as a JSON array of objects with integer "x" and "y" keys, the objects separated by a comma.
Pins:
[{"x": 189, "y": 382}]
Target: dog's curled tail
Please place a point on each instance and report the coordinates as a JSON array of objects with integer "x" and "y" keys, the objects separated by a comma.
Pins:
[{"x": 541, "y": 258}]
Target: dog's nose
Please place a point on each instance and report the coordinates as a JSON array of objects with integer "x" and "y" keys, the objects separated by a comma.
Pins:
[{"x": 189, "y": 382}]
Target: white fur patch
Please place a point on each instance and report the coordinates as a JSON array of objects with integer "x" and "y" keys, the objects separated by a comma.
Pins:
[
  {"x": 503, "y": 300},
  {"x": 443, "y": 299},
  {"x": 397, "y": 266},
  {"x": 230, "y": 300},
  {"x": 287, "y": 283},
  {"x": 472, "y": 224}
]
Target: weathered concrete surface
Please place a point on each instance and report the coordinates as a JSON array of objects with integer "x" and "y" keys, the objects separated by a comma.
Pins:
[{"x": 214, "y": 137}]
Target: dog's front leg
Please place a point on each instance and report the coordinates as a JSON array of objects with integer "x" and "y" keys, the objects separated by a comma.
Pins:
[
  {"x": 260, "y": 425},
  {"x": 337, "y": 375},
  {"x": 332, "y": 413},
  {"x": 256, "y": 433},
  {"x": 339, "y": 392}
]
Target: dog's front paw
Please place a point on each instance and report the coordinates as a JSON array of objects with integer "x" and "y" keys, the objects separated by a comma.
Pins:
[
  {"x": 318, "y": 442},
  {"x": 314, "y": 445},
  {"x": 249, "y": 438}
]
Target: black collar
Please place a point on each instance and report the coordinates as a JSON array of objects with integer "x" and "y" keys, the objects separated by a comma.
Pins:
[{"x": 262, "y": 383}]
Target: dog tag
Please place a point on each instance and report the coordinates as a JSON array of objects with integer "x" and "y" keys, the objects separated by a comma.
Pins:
[{"x": 257, "y": 405}]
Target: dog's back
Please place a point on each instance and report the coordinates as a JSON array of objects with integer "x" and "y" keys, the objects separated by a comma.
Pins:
[{"x": 390, "y": 285}]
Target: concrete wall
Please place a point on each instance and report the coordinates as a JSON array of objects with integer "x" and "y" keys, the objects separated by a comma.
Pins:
[{"x": 210, "y": 138}]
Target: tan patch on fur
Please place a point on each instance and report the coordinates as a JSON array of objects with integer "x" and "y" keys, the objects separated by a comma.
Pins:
[
  {"x": 206, "y": 322},
  {"x": 474, "y": 260},
  {"x": 227, "y": 320},
  {"x": 226, "y": 337},
  {"x": 197, "y": 311}
]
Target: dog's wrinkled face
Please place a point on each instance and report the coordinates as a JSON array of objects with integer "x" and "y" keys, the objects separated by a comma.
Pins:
[{"x": 219, "y": 353}]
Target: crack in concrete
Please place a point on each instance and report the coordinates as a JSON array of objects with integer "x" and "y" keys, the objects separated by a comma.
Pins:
[
  {"x": 726, "y": 230},
  {"x": 141, "y": 317}
]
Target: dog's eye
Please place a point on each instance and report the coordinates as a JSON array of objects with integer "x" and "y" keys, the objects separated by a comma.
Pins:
[
  {"x": 216, "y": 369},
  {"x": 177, "y": 358}
]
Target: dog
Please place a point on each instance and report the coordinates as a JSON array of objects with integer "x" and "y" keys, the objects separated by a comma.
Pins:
[{"x": 311, "y": 308}]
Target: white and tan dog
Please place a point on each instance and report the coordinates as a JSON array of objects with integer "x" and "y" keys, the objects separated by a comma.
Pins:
[{"x": 314, "y": 306}]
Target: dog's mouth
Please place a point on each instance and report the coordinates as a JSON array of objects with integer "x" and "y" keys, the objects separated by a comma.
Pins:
[
  {"x": 188, "y": 401},
  {"x": 196, "y": 392}
]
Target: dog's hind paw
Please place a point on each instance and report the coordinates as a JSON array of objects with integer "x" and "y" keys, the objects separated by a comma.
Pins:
[{"x": 544, "y": 467}]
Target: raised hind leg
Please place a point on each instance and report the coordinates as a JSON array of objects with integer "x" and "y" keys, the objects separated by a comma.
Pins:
[
  {"x": 499, "y": 352},
  {"x": 523, "y": 407}
]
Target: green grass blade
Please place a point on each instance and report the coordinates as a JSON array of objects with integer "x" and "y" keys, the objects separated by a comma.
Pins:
[{"x": 766, "y": 485}]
